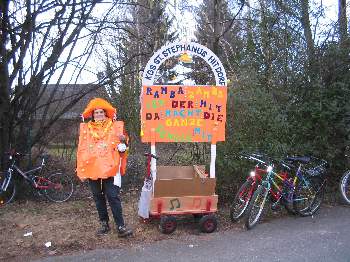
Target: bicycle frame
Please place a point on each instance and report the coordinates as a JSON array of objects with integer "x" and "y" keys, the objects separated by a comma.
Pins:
[
  {"x": 14, "y": 168},
  {"x": 283, "y": 177},
  {"x": 276, "y": 190},
  {"x": 35, "y": 181},
  {"x": 256, "y": 176},
  {"x": 24, "y": 174},
  {"x": 290, "y": 183}
]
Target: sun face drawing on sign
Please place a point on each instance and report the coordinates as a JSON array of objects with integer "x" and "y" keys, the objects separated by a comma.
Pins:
[{"x": 183, "y": 113}]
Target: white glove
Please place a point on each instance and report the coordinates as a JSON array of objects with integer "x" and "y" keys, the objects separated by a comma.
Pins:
[{"x": 121, "y": 147}]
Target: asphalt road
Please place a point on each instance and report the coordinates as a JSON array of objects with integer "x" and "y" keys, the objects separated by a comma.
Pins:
[{"x": 325, "y": 237}]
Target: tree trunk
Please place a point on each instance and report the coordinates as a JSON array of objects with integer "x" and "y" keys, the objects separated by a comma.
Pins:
[
  {"x": 310, "y": 49},
  {"x": 216, "y": 13},
  {"x": 266, "y": 46},
  {"x": 343, "y": 24},
  {"x": 4, "y": 83}
]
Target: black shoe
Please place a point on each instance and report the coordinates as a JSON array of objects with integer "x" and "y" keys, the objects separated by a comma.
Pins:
[
  {"x": 124, "y": 232},
  {"x": 104, "y": 228}
]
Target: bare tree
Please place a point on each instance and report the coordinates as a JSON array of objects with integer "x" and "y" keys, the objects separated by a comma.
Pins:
[
  {"x": 38, "y": 40},
  {"x": 132, "y": 37}
]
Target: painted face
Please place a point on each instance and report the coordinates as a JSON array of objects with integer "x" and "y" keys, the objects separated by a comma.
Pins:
[{"x": 99, "y": 115}]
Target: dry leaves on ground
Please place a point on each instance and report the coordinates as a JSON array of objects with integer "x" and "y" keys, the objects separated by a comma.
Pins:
[{"x": 71, "y": 227}]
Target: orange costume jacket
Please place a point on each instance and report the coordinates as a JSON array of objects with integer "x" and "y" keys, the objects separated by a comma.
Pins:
[{"x": 98, "y": 157}]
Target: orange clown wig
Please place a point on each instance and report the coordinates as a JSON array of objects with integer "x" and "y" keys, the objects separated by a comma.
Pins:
[{"x": 99, "y": 103}]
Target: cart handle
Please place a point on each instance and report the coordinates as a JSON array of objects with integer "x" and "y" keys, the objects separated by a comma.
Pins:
[{"x": 151, "y": 155}]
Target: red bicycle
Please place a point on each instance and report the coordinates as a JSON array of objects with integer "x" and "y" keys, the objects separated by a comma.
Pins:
[
  {"x": 246, "y": 191},
  {"x": 56, "y": 187}
]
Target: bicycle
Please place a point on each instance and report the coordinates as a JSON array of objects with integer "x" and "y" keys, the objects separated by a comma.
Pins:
[
  {"x": 245, "y": 192},
  {"x": 314, "y": 171},
  {"x": 304, "y": 191},
  {"x": 57, "y": 187},
  {"x": 344, "y": 186}
]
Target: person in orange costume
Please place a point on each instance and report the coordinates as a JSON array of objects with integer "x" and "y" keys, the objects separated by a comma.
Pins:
[{"x": 101, "y": 159}]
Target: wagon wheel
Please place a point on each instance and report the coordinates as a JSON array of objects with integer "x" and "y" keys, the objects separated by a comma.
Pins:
[
  {"x": 208, "y": 224},
  {"x": 167, "y": 224}
]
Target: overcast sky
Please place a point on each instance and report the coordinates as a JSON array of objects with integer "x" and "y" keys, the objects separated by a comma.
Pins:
[{"x": 185, "y": 26}]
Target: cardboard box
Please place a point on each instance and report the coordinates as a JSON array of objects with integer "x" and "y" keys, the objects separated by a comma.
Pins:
[{"x": 179, "y": 181}]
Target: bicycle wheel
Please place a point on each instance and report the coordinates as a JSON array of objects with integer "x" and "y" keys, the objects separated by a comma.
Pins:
[
  {"x": 287, "y": 200},
  {"x": 59, "y": 187},
  {"x": 308, "y": 197},
  {"x": 256, "y": 207},
  {"x": 241, "y": 201},
  {"x": 289, "y": 208},
  {"x": 6, "y": 196},
  {"x": 345, "y": 187}
]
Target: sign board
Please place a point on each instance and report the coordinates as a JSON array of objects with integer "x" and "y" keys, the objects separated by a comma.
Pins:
[
  {"x": 176, "y": 113},
  {"x": 175, "y": 49}
]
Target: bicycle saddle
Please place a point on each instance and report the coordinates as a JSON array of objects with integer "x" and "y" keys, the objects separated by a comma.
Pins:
[{"x": 302, "y": 159}]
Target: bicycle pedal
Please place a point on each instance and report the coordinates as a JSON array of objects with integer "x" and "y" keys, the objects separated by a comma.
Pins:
[{"x": 276, "y": 206}]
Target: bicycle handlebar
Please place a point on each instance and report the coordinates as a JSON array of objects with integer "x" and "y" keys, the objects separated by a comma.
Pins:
[
  {"x": 151, "y": 155},
  {"x": 306, "y": 160},
  {"x": 13, "y": 153},
  {"x": 261, "y": 158},
  {"x": 266, "y": 160}
]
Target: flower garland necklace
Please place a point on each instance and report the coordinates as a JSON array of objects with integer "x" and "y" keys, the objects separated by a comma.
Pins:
[{"x": 94, "y": 127}]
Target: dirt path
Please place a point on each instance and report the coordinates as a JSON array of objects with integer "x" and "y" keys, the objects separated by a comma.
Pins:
[
  {"x": 322, "y": 238},
  {"x": 71, "y": 227}
]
